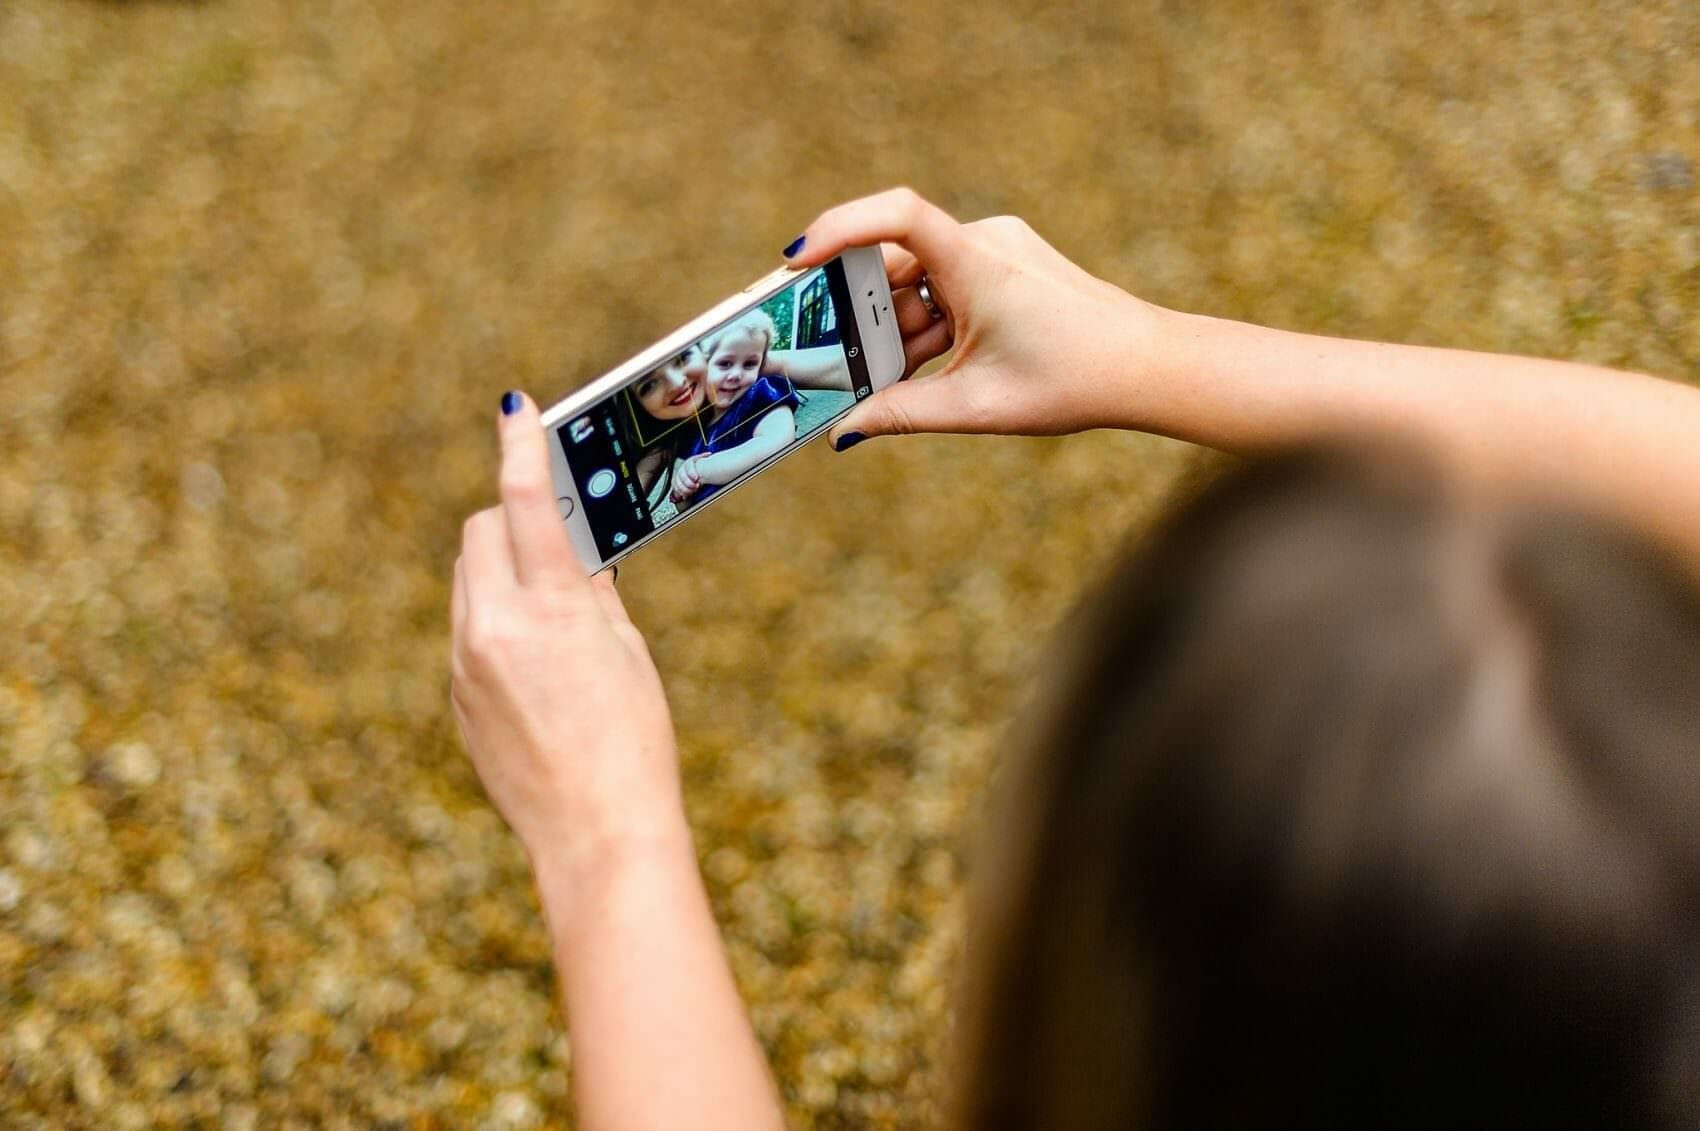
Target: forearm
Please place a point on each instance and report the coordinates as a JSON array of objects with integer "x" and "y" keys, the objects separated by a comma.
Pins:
[
  {"x": 660, "y": 1037},
  {"x": 723, "y": 467},
  {"x": 1621, "y": 442},
  {"x": 822, "y": 367}
]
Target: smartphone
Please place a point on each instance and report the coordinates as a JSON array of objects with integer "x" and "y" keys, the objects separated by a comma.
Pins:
[{"x": 722, "y": 398}]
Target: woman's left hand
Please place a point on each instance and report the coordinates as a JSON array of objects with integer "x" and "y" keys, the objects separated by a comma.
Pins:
[
  {"x": 564, "y": 716},
  {"x": 556, "y": 696}
]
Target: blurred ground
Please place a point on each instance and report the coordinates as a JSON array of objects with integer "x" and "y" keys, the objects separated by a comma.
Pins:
[{"x": 265, "y": 269}]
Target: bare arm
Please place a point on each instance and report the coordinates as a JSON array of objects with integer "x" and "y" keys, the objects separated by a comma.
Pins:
[
  {"x": 776, "y": 429},
  {"x": 823, "y": 367},
  {"x": 564, "y": 717},
  {"x": 1619, "y": 442},
  {"x": 660, "y": 1036},
  {"x": 1039, "y": 346}
]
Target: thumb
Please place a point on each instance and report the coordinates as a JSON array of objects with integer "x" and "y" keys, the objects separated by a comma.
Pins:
[{"x": 931, "y": 404}]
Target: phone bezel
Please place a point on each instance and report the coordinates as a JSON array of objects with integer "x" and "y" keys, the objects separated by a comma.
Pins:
[{"x": 882, "y": 353}]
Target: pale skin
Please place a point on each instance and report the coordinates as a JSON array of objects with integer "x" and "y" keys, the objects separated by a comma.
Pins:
[
  {"x": 563, "y": 712},
  {"x": 566, "y": 722},
  {"x": 822, "y": 367},
  {"x": 775, "y": 430}
]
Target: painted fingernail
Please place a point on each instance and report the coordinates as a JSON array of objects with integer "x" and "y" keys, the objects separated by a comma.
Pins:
[
  {"x": 615, "y": 570},
  {"x": 793, "y": 247},
  {"x": 848, "y": 441},
  {"x": 511, "y": 402}
]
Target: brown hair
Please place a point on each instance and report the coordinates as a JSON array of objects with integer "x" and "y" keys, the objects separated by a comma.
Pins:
[{"x": 1356, "y": 801}]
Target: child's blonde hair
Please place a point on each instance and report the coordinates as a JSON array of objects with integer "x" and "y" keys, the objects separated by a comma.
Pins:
[{"x": 756, "y": 321}]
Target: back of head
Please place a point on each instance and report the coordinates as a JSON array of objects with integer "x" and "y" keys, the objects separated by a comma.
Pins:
[{"x": 1356, "y": 802}]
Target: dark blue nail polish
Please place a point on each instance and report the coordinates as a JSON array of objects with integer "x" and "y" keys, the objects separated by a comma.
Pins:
[
  {"x": 848, "y": 441},
  {"x": 615, "y": 571},
  {"x": 793, "y": 247},
  {"x": 511, "y": 402}
]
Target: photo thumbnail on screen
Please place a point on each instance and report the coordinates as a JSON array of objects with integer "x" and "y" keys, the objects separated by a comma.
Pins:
[{"x": 734, "y": 400}]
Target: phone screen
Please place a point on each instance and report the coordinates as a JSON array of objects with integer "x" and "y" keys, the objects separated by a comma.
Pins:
[{"x": 733, "y": 401}]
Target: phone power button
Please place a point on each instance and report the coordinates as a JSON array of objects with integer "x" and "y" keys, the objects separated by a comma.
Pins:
[{"x": 565, "y": 502}]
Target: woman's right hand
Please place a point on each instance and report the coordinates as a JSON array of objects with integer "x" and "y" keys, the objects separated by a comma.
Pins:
[{"x": 1038, "y": 346}]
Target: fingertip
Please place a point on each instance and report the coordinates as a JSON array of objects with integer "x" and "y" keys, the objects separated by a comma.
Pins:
[
  {"x": 517, "y": 408},
  {"x": 808, "y": 249},
  {"x": 518, "y": 423},
  {"x": 524, "y": 484},
  {"x": 820, "y": 241},
  {"x": 852, "y": 430}
]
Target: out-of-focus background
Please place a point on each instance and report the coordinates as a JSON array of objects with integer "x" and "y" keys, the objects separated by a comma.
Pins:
[{"x": 265, "y": 268}]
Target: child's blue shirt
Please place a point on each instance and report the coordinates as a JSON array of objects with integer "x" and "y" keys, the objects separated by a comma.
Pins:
[{"x": 738, "y": 424}]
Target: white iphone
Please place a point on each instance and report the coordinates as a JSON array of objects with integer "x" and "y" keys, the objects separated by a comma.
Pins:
[{"x": 718, "y": 400}]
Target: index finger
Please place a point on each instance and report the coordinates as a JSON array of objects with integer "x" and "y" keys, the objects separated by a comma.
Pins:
[
  {"x": 542, "y": 551},
  {"x": 901, "y": 266},
  {"x": 899, "y": 216}
]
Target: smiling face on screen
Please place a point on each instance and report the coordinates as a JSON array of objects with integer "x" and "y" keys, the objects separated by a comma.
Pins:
[
  {"x": 674, "y": 390},
  {"x": 735, "y": 364}
]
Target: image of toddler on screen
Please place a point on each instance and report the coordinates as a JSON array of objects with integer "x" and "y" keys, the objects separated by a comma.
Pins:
[{"x": 749, "y": 414}]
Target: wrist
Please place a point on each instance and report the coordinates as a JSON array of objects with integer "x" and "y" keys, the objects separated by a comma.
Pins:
[
  {"x": 1160, "y": 384},
  {"x": 581, "y": 866}
]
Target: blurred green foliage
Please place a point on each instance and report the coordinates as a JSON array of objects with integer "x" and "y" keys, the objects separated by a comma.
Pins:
[{"x": 782, "y": 309}]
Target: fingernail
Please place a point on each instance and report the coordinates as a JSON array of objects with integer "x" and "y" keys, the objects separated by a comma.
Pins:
[
  {"x": 793, "y": 247},
  {"x": 848, "y": 441},
  {"x": 615, "y": 570},
  {"x": 511, "y": 402}
]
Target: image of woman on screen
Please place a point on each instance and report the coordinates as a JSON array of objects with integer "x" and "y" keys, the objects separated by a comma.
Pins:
[{"x": 662, "y": 405}]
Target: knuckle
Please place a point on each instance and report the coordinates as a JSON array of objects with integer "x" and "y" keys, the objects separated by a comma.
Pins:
[
  {"x": 897, "y": 419},
  {"x": 480, "y": 527},
  {"x": 908, "y": 202},
  {"x": 519, "y": 485},
  {"x": 631, "y": 637},
  {"x": 483, "y": 640},
  {"x": 1009, "y": 229}
]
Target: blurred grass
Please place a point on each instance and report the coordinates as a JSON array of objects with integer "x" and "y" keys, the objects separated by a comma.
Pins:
[{"x": 266, "y": 269}]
